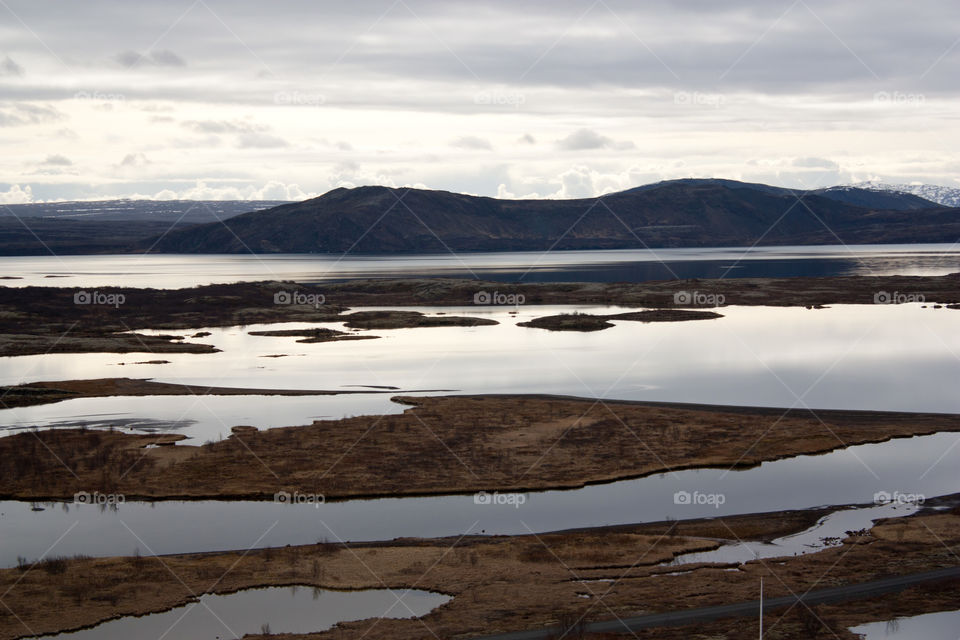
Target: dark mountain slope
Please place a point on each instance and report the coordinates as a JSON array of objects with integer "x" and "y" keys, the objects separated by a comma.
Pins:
[{"x": 682, "y": 213}]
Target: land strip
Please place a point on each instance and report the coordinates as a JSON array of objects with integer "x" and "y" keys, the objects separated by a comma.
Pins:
[{"x": 443, "y": 445}]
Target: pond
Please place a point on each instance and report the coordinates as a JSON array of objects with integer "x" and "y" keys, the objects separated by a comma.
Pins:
[{"x": 295, "y": 609}]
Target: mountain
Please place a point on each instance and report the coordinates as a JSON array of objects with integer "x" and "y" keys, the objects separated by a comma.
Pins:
[
  {"x": 677, "y": 213},
  {"x": 889, "y": 199},
  {"x": 946, "y": 196},
  {"x": 181, "y": 211},
  {"x": 106, "y": 226}
]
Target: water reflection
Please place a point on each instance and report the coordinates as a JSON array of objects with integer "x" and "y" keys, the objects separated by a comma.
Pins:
[
  {"x": 883, "y": 357},
  {"x": 828, "y": 531},
  {"x": 931, "y": 626},
  {"x": 267, "y": 610},
  {"x": 168, "y": 271},
  {"x": 199, "y": 418}
]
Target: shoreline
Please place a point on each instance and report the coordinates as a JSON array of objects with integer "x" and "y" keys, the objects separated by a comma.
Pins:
[{"x": 48, "y": 392}]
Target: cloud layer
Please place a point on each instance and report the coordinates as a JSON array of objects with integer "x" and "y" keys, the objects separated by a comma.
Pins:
[{"x": 562, "y": 99}]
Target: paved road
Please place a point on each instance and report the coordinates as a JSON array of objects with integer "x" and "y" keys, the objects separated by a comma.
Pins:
[{"x": 744, "y": 609}]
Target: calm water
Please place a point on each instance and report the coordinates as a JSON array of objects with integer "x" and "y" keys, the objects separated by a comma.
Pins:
[
  {"x": 923, "y": 465},
  {"x": 199, "y": 418},
  {"x": 884, "y": 357},
  {"x": 846, "y": 357},
  {"x": 165, "y": 271},
  {"x": 931, "y": 626},
  {"x": 282, "y": 609},
  {"x": 829, "y": 531}
]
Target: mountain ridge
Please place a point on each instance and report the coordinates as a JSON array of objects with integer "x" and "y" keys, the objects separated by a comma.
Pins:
[
  {"x": 676, "y": 213},
  {"x": 946, "y": 196}
]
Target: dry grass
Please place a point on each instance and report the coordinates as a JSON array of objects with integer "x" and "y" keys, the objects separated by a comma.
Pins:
[
  {"x": 441, "y": 445},
  {"x": 46, "y": 392}
]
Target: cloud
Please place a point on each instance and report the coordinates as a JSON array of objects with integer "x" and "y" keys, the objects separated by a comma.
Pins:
[
  {"x": 159, "y": 58},
  {"x": 260, "y": 141},
  {"x": 585, "y": 139},
  {"x": 223, "y": 126},
  {"x": 576, "y": 183},
  {"x": 534, "y": 75},
  {"x": 815, "y": 163},
  {"x": 166, "y": 58},
  {"x": 21, "y": 113},
  {"x": 16, "y": 195},
  {"x": 472, "y": 142},
  {"x": 57, "y": 160},
  {"x": 272, "y": 190},
  {"x": 134, "y": 160},
  {"x": 9, "y": 67}
]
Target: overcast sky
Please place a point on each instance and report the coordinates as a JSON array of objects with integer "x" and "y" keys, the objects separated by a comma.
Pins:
[{"x": 285, "y": 99}]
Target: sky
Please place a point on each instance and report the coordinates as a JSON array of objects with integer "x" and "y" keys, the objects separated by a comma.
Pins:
[{"x": 217, "y": 99}]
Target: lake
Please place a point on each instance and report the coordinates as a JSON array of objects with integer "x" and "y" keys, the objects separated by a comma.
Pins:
[
  {"x": 636, "y": 265},
  {"x": 882, "y": 357}
]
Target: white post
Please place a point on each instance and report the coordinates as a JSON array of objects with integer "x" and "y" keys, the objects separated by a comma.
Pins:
[{"x": 761, "y": 608}]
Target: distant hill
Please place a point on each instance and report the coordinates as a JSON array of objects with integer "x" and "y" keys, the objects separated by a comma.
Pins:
[
  {"x": 676, "y": 213},
  {"x": 946, "y": 196},
  {"x": 184, "y": 211},
  {"x": 106, "y": 226}
]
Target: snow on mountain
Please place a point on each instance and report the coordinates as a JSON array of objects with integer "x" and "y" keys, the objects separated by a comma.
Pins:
[{"x": 947, "y": 196}]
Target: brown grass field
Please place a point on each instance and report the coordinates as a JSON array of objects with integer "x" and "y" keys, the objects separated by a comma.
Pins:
[{"x": 441, "y": 445}]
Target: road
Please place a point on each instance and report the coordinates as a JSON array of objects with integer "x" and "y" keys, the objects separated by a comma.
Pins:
[{"x": 744, "y": 609}]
